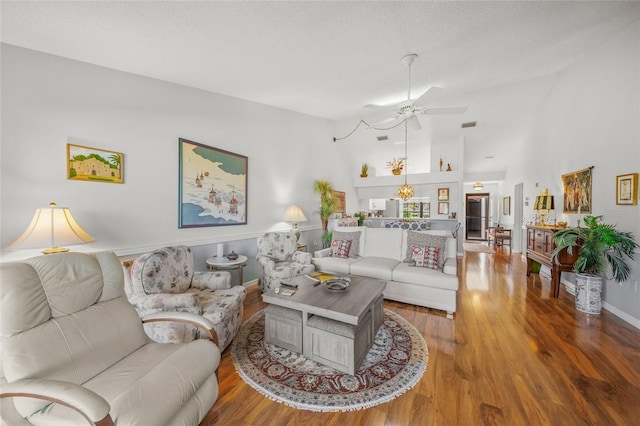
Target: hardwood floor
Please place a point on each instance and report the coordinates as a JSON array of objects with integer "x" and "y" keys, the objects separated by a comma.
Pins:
[{"x": 513, "y": 355}]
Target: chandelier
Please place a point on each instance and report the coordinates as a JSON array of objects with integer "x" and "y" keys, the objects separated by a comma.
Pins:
[{"x": 405, "y": 191}]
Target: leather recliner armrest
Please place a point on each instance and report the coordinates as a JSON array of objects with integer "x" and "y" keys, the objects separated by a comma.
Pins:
[{"x": 89, "y": 404}]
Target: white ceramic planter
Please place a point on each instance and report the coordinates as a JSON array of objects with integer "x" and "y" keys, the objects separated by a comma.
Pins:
[{"x": 589, "y": 293}]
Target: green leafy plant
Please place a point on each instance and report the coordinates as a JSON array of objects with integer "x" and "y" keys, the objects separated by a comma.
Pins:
[
  {"x": 599, "y": 244},
  {"x": 326, "y": 239},
  {"x": 327, "y": 201},
  {"x": 364, "y": 171}
]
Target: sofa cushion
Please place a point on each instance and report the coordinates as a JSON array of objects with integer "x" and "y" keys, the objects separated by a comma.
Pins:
[
  {"x": 426, "y": 239},
  {"x": 426, "y": 257},
  {"x": 341, "y": 248},
  {"x": 352, "y": 237},
  {"x": 374, "y": 267},
  {"x": 332, "y": 264},
  {"x": 145, "y": 375},
  {"x": 405, "y": 273},
  {"x": 384, "y": 242}
]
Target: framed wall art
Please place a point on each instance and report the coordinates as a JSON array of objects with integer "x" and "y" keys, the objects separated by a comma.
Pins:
[
  {"x": 506, "y": 206},
  {"x": 212, "y": 186},
  {"x": 94, "y": 164},
  {"x": 577, "y": 191},
  {"x": 443, "y": 208},
  {"x": 627, "y": 189},
  {"x": 341, "y": 206},
  {"x": 443, "y": 194}
]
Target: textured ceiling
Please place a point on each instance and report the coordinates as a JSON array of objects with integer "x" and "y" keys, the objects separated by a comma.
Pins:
[{"x": 328, "y": 59}]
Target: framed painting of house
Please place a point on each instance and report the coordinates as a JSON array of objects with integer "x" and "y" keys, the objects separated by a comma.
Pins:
[
  {"x": 94, "y": 165},
  {"x": 443, "y": 194},
  {"x": 577, "y": 191},
  {"x": 627, "y": 189},
  {"x": 212, "y": 186}
]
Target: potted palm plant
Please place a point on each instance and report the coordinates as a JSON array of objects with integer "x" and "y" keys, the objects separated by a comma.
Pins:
[
  {"x": 327, "y": 203},
  {"x": 598, "y": 245}
]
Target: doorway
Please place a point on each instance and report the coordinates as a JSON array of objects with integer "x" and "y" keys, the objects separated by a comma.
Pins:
[{"x": 477, "y": 214}]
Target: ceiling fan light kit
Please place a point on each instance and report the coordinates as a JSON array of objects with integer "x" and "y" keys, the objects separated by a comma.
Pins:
[{"x": 406, "y": 113}]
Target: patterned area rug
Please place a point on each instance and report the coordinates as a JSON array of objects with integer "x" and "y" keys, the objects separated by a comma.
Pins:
[{"x": 395, "y": 363}]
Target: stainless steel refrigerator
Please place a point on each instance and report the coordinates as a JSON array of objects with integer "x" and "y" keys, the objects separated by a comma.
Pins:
[{"x": 392, "y": 208}]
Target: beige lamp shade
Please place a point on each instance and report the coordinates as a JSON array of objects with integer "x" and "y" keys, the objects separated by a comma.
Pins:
[
  {"x": 294, "y": 214},
  {"x": 52, "y": 227}
]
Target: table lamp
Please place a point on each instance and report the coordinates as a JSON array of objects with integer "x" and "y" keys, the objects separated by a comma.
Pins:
[
  {"x": 544, "y": 203},
  {"x": 51, "y": 227},
  {"x": 294, "y": 214}
]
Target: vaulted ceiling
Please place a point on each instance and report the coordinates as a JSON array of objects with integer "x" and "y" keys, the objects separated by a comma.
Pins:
[{"x": 329, "y": 59}]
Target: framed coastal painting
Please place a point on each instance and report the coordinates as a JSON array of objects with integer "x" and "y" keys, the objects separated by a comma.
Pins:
[
  {"x": 577, "y": 191},
  {"x": 94, "y": 164},
  {"x": 212, "y": 186},
  {"x": 627, "y": 189}
]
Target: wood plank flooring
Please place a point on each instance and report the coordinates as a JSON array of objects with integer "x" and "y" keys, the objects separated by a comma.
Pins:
[{"x": 513, "y": 355}]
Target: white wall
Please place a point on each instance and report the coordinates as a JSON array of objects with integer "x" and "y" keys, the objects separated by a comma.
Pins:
[
  {"x": 48, "y": 101},
  {"x": 592, "y": 118}
]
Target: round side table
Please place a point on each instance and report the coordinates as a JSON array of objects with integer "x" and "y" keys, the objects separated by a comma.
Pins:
[{"x": 222, "y": 263}]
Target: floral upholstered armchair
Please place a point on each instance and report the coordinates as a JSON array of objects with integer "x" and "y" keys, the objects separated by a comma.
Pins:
[
  {"x": 164, "y": 281},
  {"x": 279, "y": 259}
]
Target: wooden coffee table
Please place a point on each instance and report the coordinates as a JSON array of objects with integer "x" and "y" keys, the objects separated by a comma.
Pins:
[{"x": 334, "y": 328}]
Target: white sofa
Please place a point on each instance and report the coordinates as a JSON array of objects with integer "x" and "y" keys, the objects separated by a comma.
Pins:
[{"x": 381, "y": 253}]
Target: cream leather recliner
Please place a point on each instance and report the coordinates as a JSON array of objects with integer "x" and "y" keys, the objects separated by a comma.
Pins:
[{"x": 76, "y": 347}]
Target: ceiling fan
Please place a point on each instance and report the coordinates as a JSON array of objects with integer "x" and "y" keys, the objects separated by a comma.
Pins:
[{"x": 409, "y": 110}]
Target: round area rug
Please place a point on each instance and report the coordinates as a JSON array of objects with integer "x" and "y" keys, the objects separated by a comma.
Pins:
[{"x": 394, "y": 365}]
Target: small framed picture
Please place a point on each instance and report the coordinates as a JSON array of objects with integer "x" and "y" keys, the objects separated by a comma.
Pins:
[
  {"x": 627, "y": 189},
  {"x": 443, "y": 194},
  {"x": 443, "y": 208},
  {"x": 94, "y": 164},
  {"x": 506, "y": 206}
]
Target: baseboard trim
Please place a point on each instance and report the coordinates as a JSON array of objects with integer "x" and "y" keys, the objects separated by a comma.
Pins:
[{"x": 571, "y": 288}]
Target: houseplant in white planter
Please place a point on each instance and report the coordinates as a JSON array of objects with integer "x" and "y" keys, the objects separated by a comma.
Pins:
[{"x": 599, "y": 245}]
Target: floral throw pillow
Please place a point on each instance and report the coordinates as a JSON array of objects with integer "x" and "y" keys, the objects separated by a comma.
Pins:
[
  {"x": 340, "y": 248},
  {"x": 425, "y": 256},
  {"x": 421, "y": 239},
  {"x": 354, "y": 237}
]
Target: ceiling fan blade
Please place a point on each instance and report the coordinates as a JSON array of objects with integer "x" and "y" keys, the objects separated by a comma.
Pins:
[
  {"x": 432, "y": 92},
  {"x": 379, "y": 107},
  {"x": 384, "y": 124},
  {"x": 414, "y": 124},
  {"x": 444, "y": 110}
]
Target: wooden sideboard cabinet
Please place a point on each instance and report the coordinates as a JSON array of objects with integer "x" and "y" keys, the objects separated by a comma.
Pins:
[{"x": 539, "y": 248}]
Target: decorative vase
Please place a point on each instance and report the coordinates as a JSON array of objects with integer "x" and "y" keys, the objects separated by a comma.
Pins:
[
  {"x": 589, "y": 293},
  {"x": 396, "y": 171},
  {"x": 363, "y": 176},
  {"x": 325, "y": 223}
]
